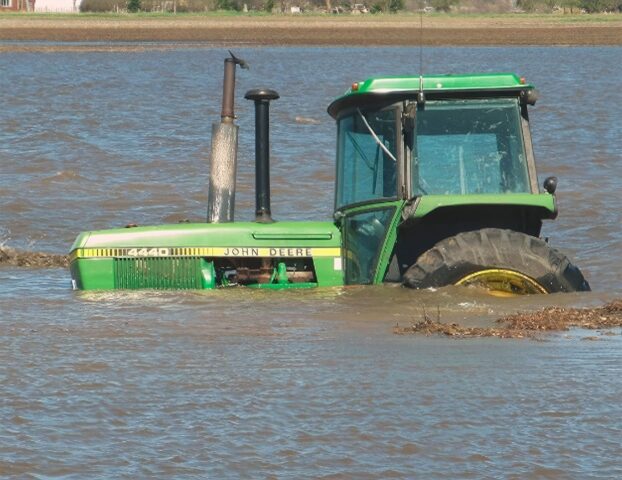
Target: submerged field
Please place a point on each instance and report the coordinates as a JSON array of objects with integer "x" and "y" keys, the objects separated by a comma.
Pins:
[
  {"x": 256, "y": 29},
  {"x": 296, "y": 384}
]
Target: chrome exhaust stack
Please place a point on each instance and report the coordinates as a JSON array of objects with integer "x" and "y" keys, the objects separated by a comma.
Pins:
[{"x": 223, "y": 160}]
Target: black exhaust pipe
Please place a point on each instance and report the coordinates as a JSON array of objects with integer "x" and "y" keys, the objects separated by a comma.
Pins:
[{"x": 262, "y": 98}]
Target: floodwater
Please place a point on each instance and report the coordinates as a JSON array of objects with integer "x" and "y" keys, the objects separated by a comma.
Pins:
[{"x": 313, "y": 384}]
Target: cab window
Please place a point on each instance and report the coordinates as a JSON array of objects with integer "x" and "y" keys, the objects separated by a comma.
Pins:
[
  {"x": 366, "y": 157},
  {"x": 469, "y": 147}
]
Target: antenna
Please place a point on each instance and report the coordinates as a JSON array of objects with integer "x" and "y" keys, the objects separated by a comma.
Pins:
[
  {"x": 421, "y": 41},
  {"x": 420, "y": 94}
]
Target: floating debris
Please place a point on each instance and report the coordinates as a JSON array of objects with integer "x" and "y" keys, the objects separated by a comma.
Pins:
[
  {"x": 18, "y": 258},
  {"x": 307, "y": 121},
  {"x": 525, "y": 325},
  {"x": 557, "y": 318}
]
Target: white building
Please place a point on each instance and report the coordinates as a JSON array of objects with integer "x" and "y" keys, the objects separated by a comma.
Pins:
[{"x": 64, "y": 6}]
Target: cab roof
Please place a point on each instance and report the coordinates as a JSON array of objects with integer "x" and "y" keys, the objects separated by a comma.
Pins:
[{"x": 375, "y": 90}]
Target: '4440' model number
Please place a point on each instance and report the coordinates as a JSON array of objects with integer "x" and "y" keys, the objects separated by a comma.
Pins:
[{"x": 148, "y": 252}]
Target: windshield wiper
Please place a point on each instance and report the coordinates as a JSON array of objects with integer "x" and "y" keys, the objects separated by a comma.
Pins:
[{"x": 375, "y": 137}]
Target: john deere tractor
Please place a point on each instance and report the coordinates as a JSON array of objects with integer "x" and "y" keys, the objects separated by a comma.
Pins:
[{"x": 435, "y": 185}]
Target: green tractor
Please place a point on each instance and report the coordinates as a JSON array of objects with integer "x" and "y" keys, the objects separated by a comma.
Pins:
[{"x": 435, "y": 185}]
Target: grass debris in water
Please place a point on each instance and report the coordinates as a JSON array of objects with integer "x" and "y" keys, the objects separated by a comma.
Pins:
[{"x": 524, "y": 325}]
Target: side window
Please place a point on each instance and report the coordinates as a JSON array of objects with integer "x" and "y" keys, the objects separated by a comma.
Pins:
[
  {"x": 469, "y": 147},
  {"x": 366, "y": 153},
  {"x": 364, "y": 235}
]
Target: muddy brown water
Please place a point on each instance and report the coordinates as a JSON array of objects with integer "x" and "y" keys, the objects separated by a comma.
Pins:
[{"x": 314, "y": 384}]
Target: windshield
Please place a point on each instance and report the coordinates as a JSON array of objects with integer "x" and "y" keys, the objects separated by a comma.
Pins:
[
  {"x": 469, "y": 147},
  {"x": 366, "y": 157}
]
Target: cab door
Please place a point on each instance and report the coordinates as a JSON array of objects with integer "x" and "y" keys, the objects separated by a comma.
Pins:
[
  {"x": 369, "y": 186},
  {"x": 369, "y": 235}
]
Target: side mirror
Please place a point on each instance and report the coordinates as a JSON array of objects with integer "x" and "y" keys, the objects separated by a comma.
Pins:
[
  {"x": 529, "y": 97},
  {"x": 550, "y": 184}
]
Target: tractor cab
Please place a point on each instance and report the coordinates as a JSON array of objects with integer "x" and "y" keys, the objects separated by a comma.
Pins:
[{"x": 420, "y": 159}]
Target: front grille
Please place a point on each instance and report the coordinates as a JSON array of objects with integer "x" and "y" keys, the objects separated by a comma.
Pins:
[{"x": 158, "y": 273}]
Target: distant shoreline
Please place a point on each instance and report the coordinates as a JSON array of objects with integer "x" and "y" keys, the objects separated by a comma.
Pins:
[{"x": 363, "y": 30}]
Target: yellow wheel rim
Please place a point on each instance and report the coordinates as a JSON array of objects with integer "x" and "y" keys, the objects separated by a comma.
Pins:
[{"x": 503, "y": 282}]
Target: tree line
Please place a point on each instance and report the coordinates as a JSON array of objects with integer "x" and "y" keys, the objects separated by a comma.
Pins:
[
  {"x": 572, "y": 6},
  {"x": 345, "y": 6}
]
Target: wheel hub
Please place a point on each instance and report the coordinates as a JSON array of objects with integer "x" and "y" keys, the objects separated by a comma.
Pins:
[{"x": 503, "y": 282}]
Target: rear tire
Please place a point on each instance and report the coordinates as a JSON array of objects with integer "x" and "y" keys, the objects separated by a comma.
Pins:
[{"x": 503, "y": 261}]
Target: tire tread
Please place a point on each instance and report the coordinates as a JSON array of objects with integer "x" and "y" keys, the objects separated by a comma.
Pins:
[{"x": 455, "y": 257}]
